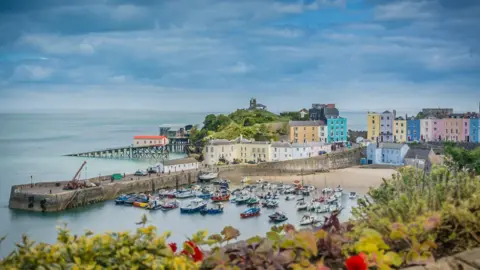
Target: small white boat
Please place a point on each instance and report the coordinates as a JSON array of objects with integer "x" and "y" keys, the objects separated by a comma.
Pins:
[
  {"x": 331, "y": 199},
  {"x": 308, "y": 220},
  {"x": 326, "y": 190},
  {"x": 259, "y": 181},
  {"x": 311, "y": 188},
  {"x": 194, "y": 206},
  {"x": 338, "y": 194},
  {"x": 290, "y": 197},
  {"x": 301, "y": 205},
  {"x": 352, "y": 195},
  {"x": 208, "y": 176},
  {"x": 339, "y": 189},
  {"x": 181, "y": 194},
  {"x": 312, "y": 206},
  {"x": 322, "y": 208},
  {"x": 335, "y": 207}
]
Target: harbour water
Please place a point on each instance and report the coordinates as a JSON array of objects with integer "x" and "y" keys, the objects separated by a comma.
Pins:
[{"x": 32, "y": 147}]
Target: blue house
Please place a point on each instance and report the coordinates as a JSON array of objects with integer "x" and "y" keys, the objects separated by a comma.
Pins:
[
  {"x": 475, "y": 130},
  {"x": 337, "y": 129},
  {"x": 387, "y": 153},
  {"x": 413, "y": 129}
]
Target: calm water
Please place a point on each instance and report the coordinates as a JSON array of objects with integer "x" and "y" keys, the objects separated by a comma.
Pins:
[{"x": 33, "y": 145}]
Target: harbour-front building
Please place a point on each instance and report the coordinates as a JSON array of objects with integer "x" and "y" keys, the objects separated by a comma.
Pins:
[
  {"x": 386, "y": 126},
  {"x": 149, "y": 140},
  {"x": 386, "y": 153},
  {"x": 219, "y": 151},
  {"x": 304, "y": 131},
  {"x": 177, "y": 165},
  {"x": 400, "y": 130},
  {"x": 475, "y": 129},
  {"x": 373, "y": 124},
  {"x": 337, "y": 129}
]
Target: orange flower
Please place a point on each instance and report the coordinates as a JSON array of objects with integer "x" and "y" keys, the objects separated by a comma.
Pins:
[{"x": 356, "y": 262}]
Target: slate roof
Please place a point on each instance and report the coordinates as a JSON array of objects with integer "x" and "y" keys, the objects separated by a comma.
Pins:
[
  {"x": 386, "y": 111},
  {"x": 391, "y": 145},
  {"x": 180, "y": 161},
  {"x": 305, "y": 123},
  {"x": 219, "y": 142},
  {"x": 418, "y": 153},
  {"x": 399, "y": 118},
  {"x": 281, "y": 144}
]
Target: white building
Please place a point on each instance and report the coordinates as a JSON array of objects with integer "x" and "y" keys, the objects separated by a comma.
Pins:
[
  {"x": 386, "y": 153},
  {"x": 386, "y": 126},
  {"x": 323, "y": 133},
  {"x": 177, "y": 165},
  {"x": 149, "y": 140},
  {"x": 281, "y": 151},
  {"x": 219, "y": 150},
  {"x": 251, "y": 150}
]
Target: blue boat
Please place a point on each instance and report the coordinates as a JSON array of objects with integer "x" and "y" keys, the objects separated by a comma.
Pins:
[
  {"x": 136, "y": 198},
  {"x": 250, "y": 212},
  {"x": 194, "y": 206},
  {"x": 212, "y": 211},
  {"x": 122, "y": 198}
]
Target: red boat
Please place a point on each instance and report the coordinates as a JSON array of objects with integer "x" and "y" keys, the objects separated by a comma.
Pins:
[
  {"x": 221, "y": 197},
  {"x": 321, "y": 199},
  {"x": 250, "y": 212}
]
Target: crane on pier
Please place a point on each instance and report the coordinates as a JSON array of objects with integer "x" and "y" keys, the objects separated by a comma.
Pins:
[{"x": 75, "y": 183}]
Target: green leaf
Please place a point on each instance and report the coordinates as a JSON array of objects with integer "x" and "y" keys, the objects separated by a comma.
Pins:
[
  {"x": 274, "y": 236},
  {"x": 254, "y": 240},
  {"x": 392, "y": 258}
]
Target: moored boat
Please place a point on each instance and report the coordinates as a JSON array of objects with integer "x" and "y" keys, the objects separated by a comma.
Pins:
[
  {"x": 208, "y": 176},
  {"x": 184, "y": 194},
  {"x": 194, "y": 206},
  {"x": 331, "y": 199},
  {"x": 250, "y": 212},
  {"x": 308, "y": 220},
  {"x": 154, "y": 205},
  {"x": 122, "y": 198},
  {"x": 326, "y": 190},
  {"x": 253, "y": 200},
  {"x": 218, "y": 209},
  {"x": 321, "y": 208},
  {"x": 169, "y": 205},
  {"x": 338, "y": 194},
  {"x": 352, "y": 195},
  {"x": 221, "y": 197},
  {"x": 242, "y": 199},
  {"x": 278, "y": 217},
  {"x": 140, "y": 204},
  {"x": 339, "y": 189},
  {"x": 290, "y": 197},
  {"x": 136, "y": 198},
  {"x": 271, "y": 203},
  {"x": 301, "y": 205}
]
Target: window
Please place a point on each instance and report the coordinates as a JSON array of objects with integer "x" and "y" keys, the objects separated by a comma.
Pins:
[
  {"x": 138, "y": 142},
  {"x": 211, "y": 150},
  {"x": 388, "y": 118},
  {"x": 382, "y": 118}
]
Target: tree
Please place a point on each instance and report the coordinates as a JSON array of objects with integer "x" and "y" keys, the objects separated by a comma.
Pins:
[
  {"x": 249, "y": 122},
  {"x": 209, "y": 122},
  {"x": 221, "y": 122}
]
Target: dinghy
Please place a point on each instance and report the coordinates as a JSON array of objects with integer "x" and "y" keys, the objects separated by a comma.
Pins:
[
  {"x": 301, "y": 205},
  {"x": 250, "y": 212},
  {"x": 218, "y": 209},
  {"x": 278, "y": 217},
  {"x": 308, "y": 220},
  {"x": 352, "y": 195},
  {"x": 194, "y": 206}
]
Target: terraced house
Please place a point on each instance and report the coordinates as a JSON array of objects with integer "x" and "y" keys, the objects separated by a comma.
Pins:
[
  {"x": 400, "y": 129},
  {"x": 304, "y": 131},
  {"x": 373, "y": 124},
  {"x": 337, "y": 129}
]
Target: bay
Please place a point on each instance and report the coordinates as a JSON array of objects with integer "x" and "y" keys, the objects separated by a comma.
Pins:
[{"x": 33, "y": 144}]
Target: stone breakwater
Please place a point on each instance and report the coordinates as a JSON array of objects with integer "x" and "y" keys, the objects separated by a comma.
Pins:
[{"x": 50, "y": 197}]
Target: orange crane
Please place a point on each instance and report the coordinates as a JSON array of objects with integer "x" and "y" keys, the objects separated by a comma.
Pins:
[{"x": 74, "y": 184}]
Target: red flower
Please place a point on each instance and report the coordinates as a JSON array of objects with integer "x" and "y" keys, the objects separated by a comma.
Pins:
[
  {"x": 197, "y": 253},
  {"x": 356, "y": 262},
  {"x": 173, "y": 246}
]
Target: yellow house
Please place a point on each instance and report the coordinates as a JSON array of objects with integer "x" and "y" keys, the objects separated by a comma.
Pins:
[
  {"x": 373, "y": 124},
  {"x": 304, "y": 131},
  {"x": 400, "y": 129}
]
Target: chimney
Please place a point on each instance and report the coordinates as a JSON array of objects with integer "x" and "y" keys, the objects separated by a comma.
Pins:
[{"x": 394, "y": 114}]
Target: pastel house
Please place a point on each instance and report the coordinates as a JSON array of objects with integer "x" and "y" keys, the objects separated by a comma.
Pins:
[
  {"x": 386, "y": 153},
  {"x": 413, "y": 129},
  {"x": 475, "y": 129},
  {"x": 337, "y": 127}
]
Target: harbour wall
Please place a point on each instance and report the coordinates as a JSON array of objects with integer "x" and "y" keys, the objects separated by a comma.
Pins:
[{"x": 38, "y": 197}]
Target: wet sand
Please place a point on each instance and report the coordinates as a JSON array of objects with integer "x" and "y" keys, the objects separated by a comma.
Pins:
[{"x": 351, "y": 179}]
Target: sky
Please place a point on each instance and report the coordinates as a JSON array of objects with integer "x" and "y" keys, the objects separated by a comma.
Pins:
[{"x": 214, "y": 55}]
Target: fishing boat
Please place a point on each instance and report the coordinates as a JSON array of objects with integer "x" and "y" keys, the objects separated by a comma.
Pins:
[
  {"x": 221, "y": 182},
  {"x": 194, "y": 206},
  {"x": 352, "y": 195},
  {"x": 271, "y": 203},
  {"x": 184, "y": 194},
  {"x": 242, "y": 198},
  {"x": 308, "y": 220},
  {"x": 169, "y": 205},
  {"x": 253, "y": 200},
  {"x": 154, "y": 205},
  {"x": 312, "y": 206},
  {"x": 136, "y": 198},
  {"x": 205, "y": 193},
  {"x": 122, "y": 198},
  {"x": 218, "y": 209},
  {"x": 208, "y": 176},
  {"x": 250, "y": 212},
  {"x": 221, "y": 197},
  {"x": 278, "y": 217},
  {"x": 301, "y": 205},
  {"x": 290, "y": 197}
]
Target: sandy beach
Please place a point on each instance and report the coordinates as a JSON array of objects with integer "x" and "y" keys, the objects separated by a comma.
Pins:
[{"x": 351, "y": 179}]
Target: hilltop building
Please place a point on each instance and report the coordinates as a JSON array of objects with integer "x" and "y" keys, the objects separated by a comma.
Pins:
[
  {"x": 256, "y": 106},
  {"x": 322, "y": 112}
]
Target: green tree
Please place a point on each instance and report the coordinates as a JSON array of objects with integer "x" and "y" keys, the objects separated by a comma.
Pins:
[
  {"x": 249, "y": 122},
  {"x": 209, "y": 122},
  {"x": 221, "y": 122}
]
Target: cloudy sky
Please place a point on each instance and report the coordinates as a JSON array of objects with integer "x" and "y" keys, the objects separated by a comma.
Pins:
[{"x": 213, "y": 55}]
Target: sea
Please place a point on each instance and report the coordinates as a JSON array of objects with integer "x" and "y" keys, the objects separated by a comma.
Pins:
[{"x": 33, "y": 148}]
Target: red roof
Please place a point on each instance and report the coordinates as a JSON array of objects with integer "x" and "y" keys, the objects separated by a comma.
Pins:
[{"x": 149, "y": 137}]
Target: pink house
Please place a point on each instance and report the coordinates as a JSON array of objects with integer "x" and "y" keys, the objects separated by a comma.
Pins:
[
  {"x": 453, "y": 128},
  {"x": 466, "y": 130},
  {"x": 437, "y": 129}
]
